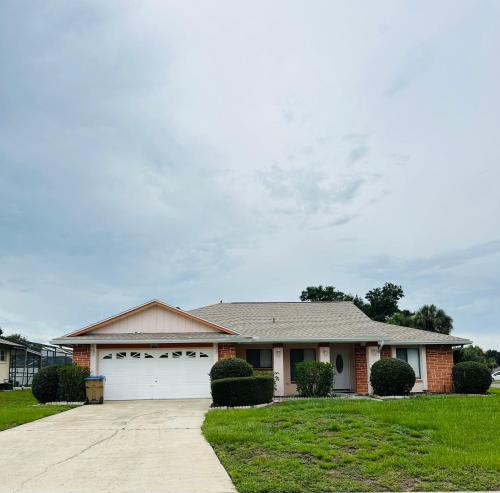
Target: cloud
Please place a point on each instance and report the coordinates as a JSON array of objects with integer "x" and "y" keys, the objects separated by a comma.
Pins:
[{"x": 192, "y": 152}]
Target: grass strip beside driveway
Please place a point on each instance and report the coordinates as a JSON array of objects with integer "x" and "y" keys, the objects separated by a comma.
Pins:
[
  {"x": 425, "y": 443},
  {"x": 19, "y": 406}
]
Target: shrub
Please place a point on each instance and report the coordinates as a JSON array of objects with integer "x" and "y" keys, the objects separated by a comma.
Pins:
[
  {"x": 45, "y": 384},
  {"x": 471, "y": 377},
  {"x": 392, "y": 376},
  {"x": 242, "y": 391},
  {"x": 72, "y": 383},
  {"x": 231, "y": 368},
  {"x": 314, "y": 379}
]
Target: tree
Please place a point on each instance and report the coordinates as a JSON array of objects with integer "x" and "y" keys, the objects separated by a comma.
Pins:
[
  {"x": 1, "y": 331},
  {"x": 493, "y": 354},
  {"x": 327, "y": 293},
  {"x": 406, "y": 318},
  {"x": 433, "y": 319},
  {"x": 383, "y": 302},
  {"x": 20, "y": 339}
]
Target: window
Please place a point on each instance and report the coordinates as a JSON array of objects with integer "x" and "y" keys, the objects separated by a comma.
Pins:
[
  {"x": 203, "y": 355},
  {"x": 121, "y": 355},
  {"x": 108, "y": 356},
  {"x": 298, "y": 356},
  {"x": 164, "y": 355},
  {"x": 135, "y": 354},
  {"x": 148, "y": 356},
  {"x": 2, "y": 355},
  {"x": 411, "y": 356},
  {"x": 191, "y": 354},
  {"x": 260, "y": 358},
  {"x": 176, "y": 354}
]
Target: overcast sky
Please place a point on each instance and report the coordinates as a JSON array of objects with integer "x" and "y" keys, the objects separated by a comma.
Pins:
[{"x": 199, "y": 151}]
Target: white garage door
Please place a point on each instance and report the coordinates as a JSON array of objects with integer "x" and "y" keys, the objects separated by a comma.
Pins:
[{"x": 156, "y": 373}]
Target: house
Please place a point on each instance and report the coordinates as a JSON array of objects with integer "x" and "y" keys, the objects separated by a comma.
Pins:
[
  {"x": 156, "y": 351},
  {"x": 6, "y": 347}
]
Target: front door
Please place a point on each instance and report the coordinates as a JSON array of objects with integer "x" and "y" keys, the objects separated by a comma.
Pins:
[{"x": 341, "y": 358}]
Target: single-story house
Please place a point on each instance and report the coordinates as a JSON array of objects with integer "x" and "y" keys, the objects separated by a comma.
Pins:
[
  {"x": 157, "y": 351},
  {"x": 6, "y": 347}
]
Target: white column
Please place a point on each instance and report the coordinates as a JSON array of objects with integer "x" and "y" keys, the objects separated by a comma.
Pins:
[
  {"x": 93, "y": 359},
  {"x": 373, "y": 355},
  {"x": 216, "y": 352},
  {"x": 279, "y": 370},
  {"x": 324, "y": 354}
]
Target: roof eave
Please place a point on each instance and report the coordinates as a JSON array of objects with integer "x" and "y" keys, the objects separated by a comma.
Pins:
[{"x": 77, "y": 340}]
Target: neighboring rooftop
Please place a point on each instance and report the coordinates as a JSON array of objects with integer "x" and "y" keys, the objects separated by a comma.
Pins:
[{"x": 337, "y": 320}]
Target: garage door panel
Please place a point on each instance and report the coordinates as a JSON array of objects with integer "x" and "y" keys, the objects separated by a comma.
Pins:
[{"x": 156, "y": 373}]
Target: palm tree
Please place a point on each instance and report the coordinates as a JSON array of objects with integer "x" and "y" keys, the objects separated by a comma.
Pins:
[{"x": 433, "y": 319}]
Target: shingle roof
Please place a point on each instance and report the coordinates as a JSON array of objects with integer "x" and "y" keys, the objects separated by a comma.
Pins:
[{"x": 339, "y": 320}]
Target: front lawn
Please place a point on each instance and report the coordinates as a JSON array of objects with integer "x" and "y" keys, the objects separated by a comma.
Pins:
[
  {"x": 19, "y": 407},
  {"x": 425, "y": 443}
]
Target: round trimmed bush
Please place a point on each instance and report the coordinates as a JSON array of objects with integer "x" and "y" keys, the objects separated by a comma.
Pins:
[
  {"x": 314, "y": 379},
  {"x": 471, "y": 377},
  {"x": 231, "y": 368},
  {"x": 242, "y": 391},
  {"x": 391, "y": 376},
  {"x": 72, "y": 383},
  {"x": 45, "y": 384}
]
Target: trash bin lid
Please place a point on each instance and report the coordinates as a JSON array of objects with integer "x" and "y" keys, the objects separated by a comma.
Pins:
[{"x": 96, "y": 377}]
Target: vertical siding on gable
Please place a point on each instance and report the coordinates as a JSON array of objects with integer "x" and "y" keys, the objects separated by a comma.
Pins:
[{"x": 154, "y": 319}]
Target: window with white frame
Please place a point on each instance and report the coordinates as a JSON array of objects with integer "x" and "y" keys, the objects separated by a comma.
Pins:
[{"x": 412, "y": 356}]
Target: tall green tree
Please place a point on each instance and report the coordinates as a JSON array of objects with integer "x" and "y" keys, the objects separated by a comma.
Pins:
[
  {"x": 493, "y": 354},
  {"x": 383, "y": 302},
  {"x": 406, "y": 318},
  {"x": 433, "y": 319},
  {"x": 329, "y": 293}
]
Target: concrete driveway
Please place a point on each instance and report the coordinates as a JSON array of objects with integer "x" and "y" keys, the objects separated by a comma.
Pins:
[{"x": 119, "y": 447}]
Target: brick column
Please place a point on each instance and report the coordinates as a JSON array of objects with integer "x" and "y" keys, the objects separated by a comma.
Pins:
[
  {"x": 227, "y": 351},
  {"x": 439, "y": 365},
  {"x": 386, "y": 352},
  {"x": 81, "y": 355},
  {"x": 361, "y": 369}
]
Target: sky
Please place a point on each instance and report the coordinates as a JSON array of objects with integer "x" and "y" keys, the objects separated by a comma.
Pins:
[{"x": 195, "y": 151}]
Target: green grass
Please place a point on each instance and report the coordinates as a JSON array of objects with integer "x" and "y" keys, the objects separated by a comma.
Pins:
[
  {"x": 494, "y": 390},
  {"x": 19, "y": 407},
  {"x": 425, "y": 443}
]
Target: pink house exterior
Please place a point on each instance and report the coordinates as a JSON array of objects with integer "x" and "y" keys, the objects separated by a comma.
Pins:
[{"x": 156, "y": 351}]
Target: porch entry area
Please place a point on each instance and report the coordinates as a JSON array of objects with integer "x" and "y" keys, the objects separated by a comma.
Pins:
[{"x": 282, "y": 360}]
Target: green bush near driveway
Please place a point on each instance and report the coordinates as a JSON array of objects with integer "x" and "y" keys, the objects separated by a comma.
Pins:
[
  {"x": 471, "y": 377},
  {"x": 314, "y": 379},
  {"x": 231, "y": 368},
  {"x": 46, "y": 384},
  {"x": 72, "y": 383},
  {"x": 19, "y": 406},
  {"x": 436, "y": 443},
  {"x": 242, "y": 391},
  {"x": 391, "y": 376},
  {"x": 60, "y": 383}
]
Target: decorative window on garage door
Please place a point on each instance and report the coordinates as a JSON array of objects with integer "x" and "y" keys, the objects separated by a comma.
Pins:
[
  {"x": 121, "y": 355},
  {"x": 203, "y": 355},
  {"x": 108, "y": 356},
  {"x": 191, "y": 354},
  {"x": 176, "y": 354},
  {"x": 164, "y": 355}
]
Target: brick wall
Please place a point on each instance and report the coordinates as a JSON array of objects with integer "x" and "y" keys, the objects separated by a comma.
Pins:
[
  {"x": 386, "y": 352},
  {"x": 361, "y": 369},
  {"x": 439, "y": 364},
  {"x": 81, "y": 355},
  {"x": 227, "y": 351}
]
